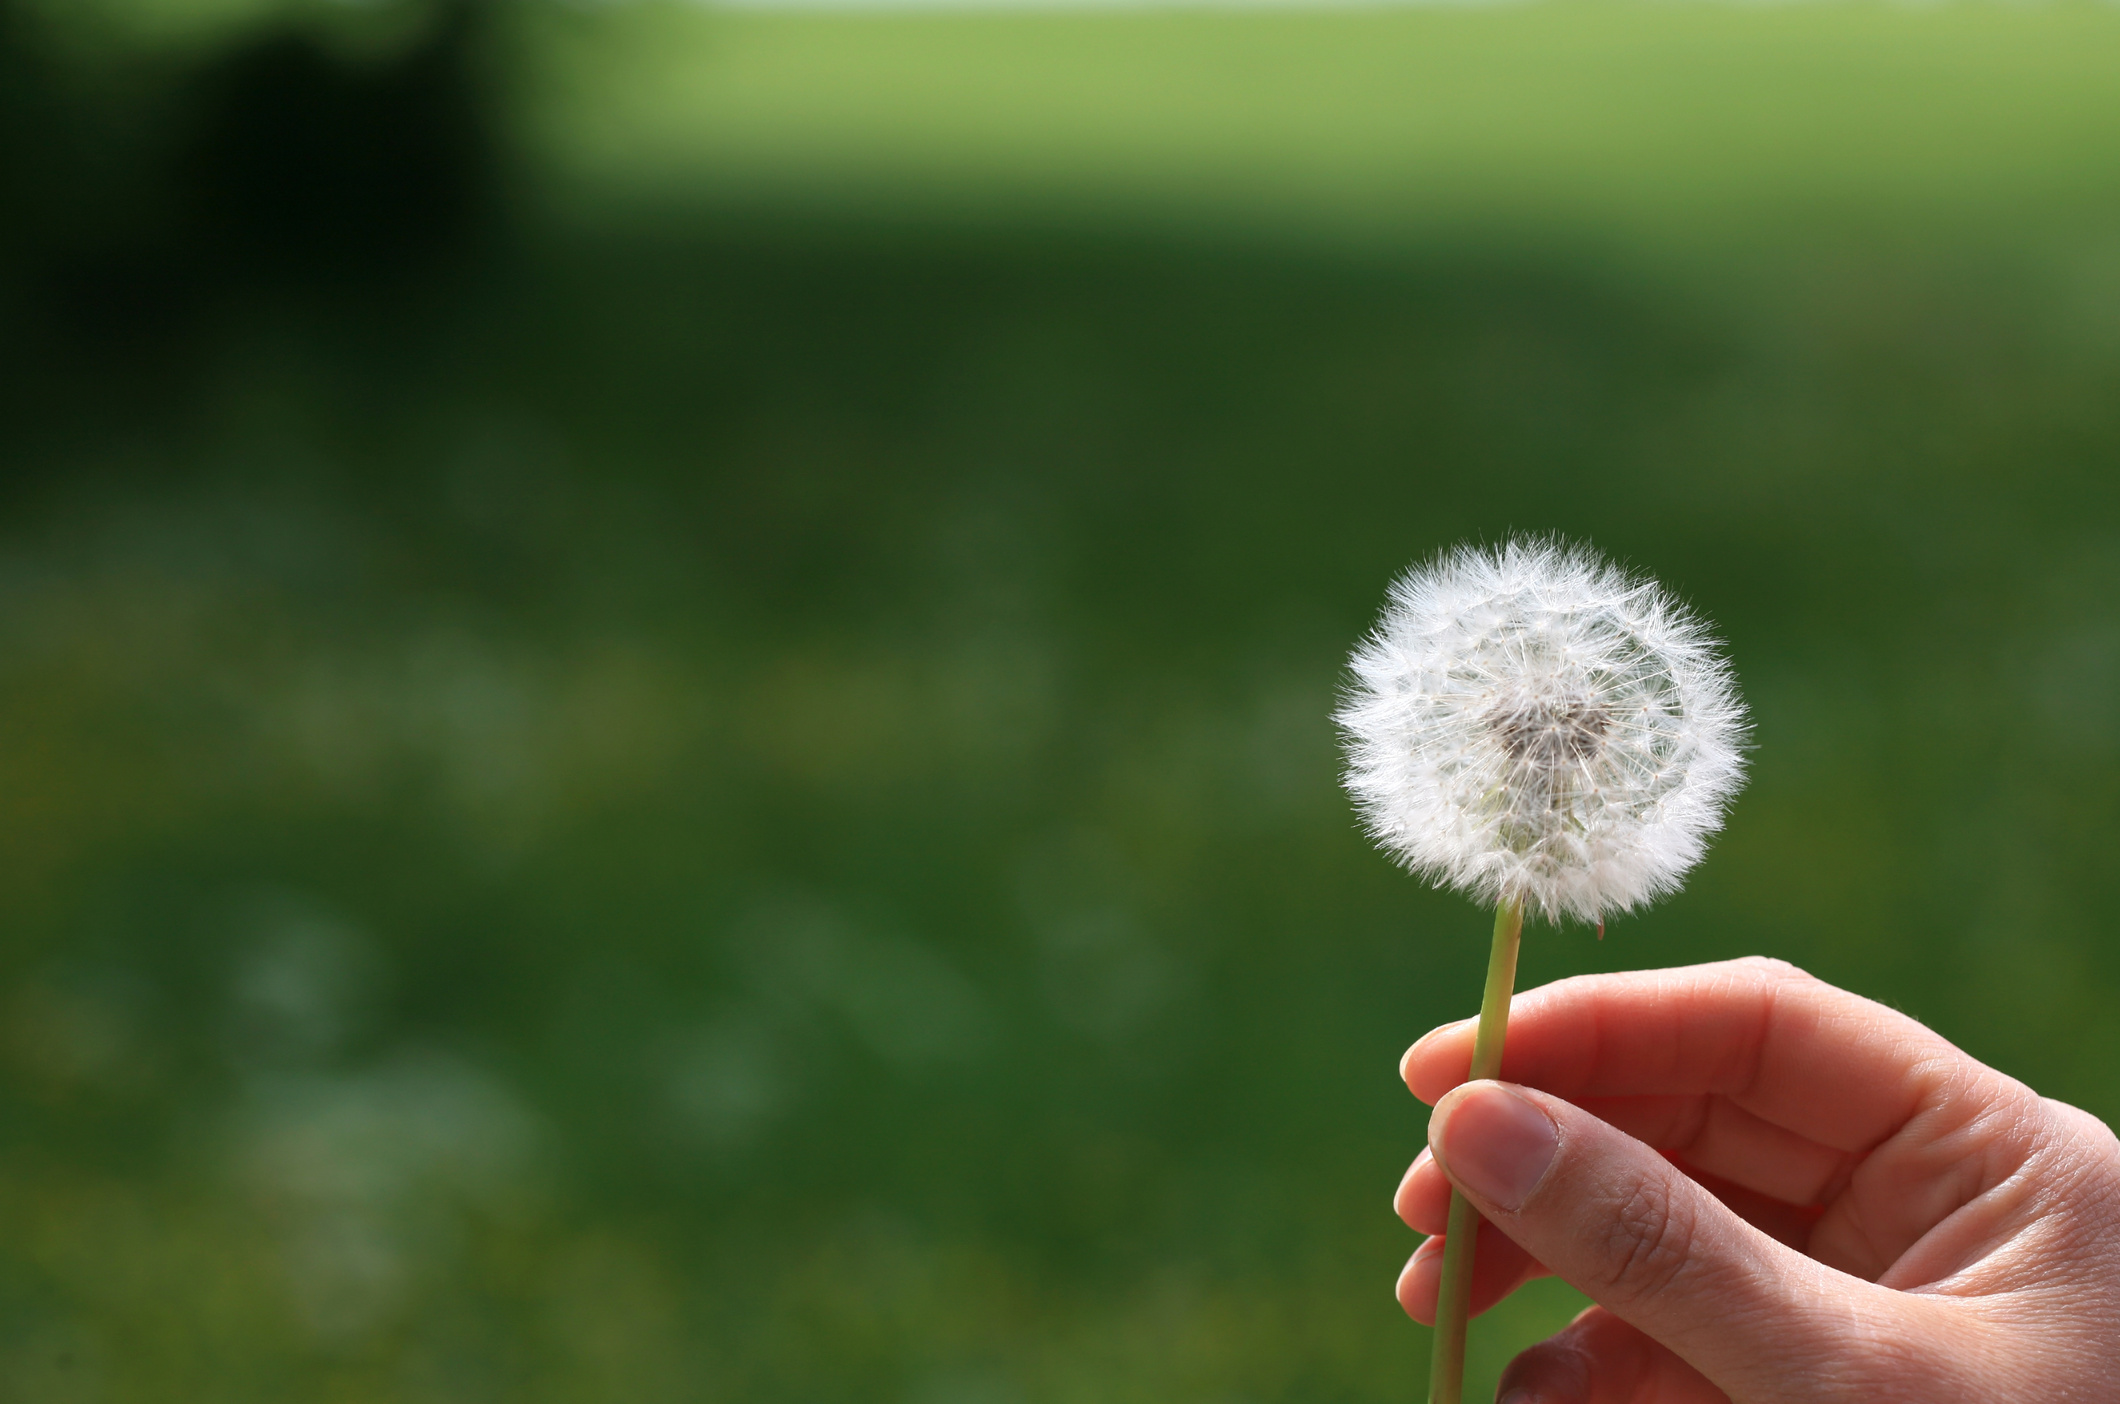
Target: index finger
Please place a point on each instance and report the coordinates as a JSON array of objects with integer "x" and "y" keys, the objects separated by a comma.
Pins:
[{"x": 1831, "y": 1066}]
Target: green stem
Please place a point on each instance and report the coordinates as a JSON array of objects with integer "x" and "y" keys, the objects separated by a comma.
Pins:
[{"x": 1446, "y": 1368}]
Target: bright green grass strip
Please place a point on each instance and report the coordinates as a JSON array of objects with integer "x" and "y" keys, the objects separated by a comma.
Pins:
[{"x": 1634, "y": 115}]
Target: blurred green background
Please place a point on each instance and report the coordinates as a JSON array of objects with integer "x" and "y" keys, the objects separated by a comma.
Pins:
[{"x": 664, "y": 672}]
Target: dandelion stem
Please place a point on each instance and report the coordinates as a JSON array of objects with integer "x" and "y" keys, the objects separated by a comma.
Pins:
[{"x": 1446, "y": 1368}]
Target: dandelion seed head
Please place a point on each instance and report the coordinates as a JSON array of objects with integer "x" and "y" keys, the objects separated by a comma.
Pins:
[{"x": 1532, "y": 722}]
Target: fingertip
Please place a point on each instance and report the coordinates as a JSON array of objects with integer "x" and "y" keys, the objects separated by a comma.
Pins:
[
  {"x": 1423, "y": 1196},
  {"x": 1406, "y": 1059},
  {"x": 1419, "y": 1281},
  {"x": 1499, "y": 1268},
  {"x": 1436, "y": 1063},
  {"x": 1402, "y": 1197},
  {"x": 1496, "y": 1143},
  {"x": 1555, "y": 1371},
  {"x": 1599, "y": 1356}
]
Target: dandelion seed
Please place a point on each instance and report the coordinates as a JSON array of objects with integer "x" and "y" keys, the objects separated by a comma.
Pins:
[
  {"x": 1531, "y": 724},
  {"x": 1539, "y": 729}
]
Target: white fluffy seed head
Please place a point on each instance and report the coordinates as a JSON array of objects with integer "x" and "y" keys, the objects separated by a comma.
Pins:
[{"x": 1531, "y": 722}]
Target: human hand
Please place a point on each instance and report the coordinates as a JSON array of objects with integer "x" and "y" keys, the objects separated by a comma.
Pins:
[{"x": 1775, "y": 1191}]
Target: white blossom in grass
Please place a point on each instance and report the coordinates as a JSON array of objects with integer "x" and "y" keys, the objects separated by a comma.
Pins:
[{"x": 1532, "y": 723}]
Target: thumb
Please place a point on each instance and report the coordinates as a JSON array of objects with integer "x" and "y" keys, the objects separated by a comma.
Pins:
[{"x": 1619, "y": 1222}]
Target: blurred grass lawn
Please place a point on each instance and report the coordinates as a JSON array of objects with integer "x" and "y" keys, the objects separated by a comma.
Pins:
[{"x": 733, "y": 800}]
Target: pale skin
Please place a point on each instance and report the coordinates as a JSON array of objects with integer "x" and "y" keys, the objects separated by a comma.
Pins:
[{"x": 1774, "y": 1190}]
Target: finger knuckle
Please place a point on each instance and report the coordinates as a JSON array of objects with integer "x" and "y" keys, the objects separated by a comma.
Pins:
[
  {"x": 1775, "y": 966},
  {"x": 1649, "y": 1241},
  {"x": 2082, "y": 1129}
]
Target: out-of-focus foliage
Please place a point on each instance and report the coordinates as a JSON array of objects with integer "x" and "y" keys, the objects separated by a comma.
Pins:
[
  {"x": 631, "y": 779},
  {"x": 1663, "y": 125}
]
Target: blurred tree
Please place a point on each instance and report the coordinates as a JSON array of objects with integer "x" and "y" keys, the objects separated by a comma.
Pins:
[
  {"x": 284, "y": 161},
  {"x": 310, "y": 167},
  {"x": 145, "y": 188}
]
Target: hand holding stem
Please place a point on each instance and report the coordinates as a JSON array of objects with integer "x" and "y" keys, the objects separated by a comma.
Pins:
[{"x": 1776, "y": 1191}]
